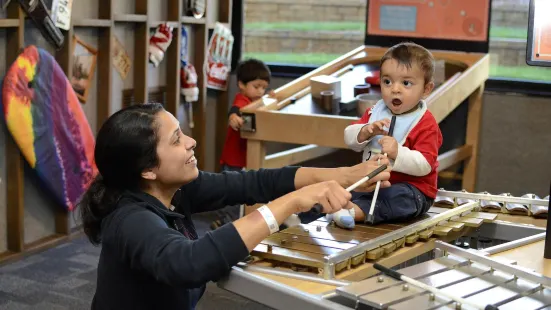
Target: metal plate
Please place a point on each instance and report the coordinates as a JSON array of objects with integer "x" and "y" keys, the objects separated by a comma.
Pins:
[
  {"x": 298, "y": 246},
  {"x": 356, "y": 289},
  {"x": 420, "y": 302},
  {"x": 283, "y": 235},
  {"x": 391, "y": 295},
  {"x": 290, "y": 256},
  {"x": 534, "y": 301}
]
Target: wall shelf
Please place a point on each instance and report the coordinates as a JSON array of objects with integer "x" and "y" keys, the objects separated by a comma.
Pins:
[
  {"x": 9, "y": 23},
  {"x": 193, "y": 20},
  {"x": 140, "y": 19},
  {"x": 130, "y": 18},
  {"x": 94, "y": 23}
]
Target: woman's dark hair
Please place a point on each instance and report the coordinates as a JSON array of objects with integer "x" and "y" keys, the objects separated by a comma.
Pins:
[{"x": 126, "y": 145}]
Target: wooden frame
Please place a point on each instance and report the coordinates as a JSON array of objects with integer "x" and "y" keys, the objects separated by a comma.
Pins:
[
  {"x": 465, "y": 85},
  {"x": 106, "y": 21},
  {"x": 84, "y": 62}
]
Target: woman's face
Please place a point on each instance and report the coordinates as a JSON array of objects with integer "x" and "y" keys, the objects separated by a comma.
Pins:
[{"x": 177, "y": 164}]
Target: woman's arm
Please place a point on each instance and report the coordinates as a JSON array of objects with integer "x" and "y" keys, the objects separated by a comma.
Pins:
[
  {"x": 212, "y": 191},
  {"x": 143, "y": 239}
]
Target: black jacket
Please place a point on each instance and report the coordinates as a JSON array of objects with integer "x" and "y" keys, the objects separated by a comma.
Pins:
[{"x": 151, "y": 257}]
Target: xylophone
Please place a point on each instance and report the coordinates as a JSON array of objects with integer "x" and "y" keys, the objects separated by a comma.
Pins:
[
  {"x": 321, "y": 266},
  {"x": 322, "y": 247}
]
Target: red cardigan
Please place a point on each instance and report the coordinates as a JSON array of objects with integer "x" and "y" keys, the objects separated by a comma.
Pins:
[{"x": 426, "y": 138}]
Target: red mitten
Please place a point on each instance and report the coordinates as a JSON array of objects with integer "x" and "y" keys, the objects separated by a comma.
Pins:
[
  {"x": 158, "y": 43},
  {"x": 188, "y": 77}
]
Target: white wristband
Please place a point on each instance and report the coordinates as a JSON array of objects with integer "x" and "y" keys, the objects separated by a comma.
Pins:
[{"x": 269, "y": 218}]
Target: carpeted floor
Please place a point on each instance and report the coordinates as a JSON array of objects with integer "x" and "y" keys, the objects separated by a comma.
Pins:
[{"x": 64, "y": 277}]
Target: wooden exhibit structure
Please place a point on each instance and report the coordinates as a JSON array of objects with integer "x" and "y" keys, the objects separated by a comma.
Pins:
[
  {"x": 277, "y": 120},
  {"x": 293, "y": 117},
  {"x": 106, "y": 20}
]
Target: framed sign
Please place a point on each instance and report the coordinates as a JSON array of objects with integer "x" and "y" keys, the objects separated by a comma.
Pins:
[
  {"x": 457, "y": 25},
  {"x": 84, "y": 65},
  {"x": 121, "y": 60},
  {"x": 538, "y": 47}
]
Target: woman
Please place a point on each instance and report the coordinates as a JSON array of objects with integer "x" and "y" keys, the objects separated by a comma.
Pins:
[{"x": 140, "y": 205}]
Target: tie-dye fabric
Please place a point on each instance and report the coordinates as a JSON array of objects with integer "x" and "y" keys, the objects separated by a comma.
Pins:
[{"x": 44, "y": 116}]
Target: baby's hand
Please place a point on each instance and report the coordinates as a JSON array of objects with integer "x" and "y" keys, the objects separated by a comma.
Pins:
[
  {"x": 374, "y": 129},
  {"x": 272, "y": 94},
  {"x": 235, "y": 121},
  {"x": 389, "y": 145}
]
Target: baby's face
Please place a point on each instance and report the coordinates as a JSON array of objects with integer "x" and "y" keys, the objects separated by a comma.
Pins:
[
  {"x": 402, "y": 87},
  {"x": 254, "y": 89}
]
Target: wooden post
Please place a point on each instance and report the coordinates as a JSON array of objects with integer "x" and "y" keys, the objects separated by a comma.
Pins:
[
  {"x": 199, "y": 108},
  {"x": 173, "y": 59},
  {"x": 472, "y": 138},
  {"x": 14, "y": 160},
  {"x": 256, "y": 153},
  {"x": 105, "y": 62},
  {"x": 141, "y": 55}
]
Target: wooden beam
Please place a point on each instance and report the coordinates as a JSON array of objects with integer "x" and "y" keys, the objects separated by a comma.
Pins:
[
  {"x": 199, "y": 108},
  {"x": 104, "y": 65},
  {"x": 455, "y": 156},
  {"x": 256, "y": 152},
  {"x": 472, "y": 138},
  {"x": 296, "y": 155},
  {"x": 223, "y": 100},
  {"x": 222, "y": 108},
  {"x": 173, "y": 59},
  {"x": 303, "y": 129},
  {"x": 14, "y": 160},
  {"x": 141, "y": 54},
  {"x": 141, "y": 62}
]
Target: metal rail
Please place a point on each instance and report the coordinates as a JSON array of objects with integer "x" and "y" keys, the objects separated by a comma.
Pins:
[{"x": 490, "y": 197}]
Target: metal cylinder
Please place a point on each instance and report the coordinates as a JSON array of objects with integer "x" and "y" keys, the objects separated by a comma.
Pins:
[
  {"x": 361, "y": 89},
  {"x": 327, "y": 100}
]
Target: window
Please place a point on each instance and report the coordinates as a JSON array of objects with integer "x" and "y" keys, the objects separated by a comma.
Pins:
[{"x": 312, "y": 33}]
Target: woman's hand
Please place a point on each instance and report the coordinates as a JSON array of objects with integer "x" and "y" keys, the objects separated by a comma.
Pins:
[
  {"x": 330, "y": 195},
  {"x": 350, "y": 175}
]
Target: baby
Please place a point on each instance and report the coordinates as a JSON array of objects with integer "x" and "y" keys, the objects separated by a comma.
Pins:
[{"x": 407, "y": 71}]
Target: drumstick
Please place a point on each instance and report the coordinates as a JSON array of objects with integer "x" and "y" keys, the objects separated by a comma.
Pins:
[
  {"x": 398, "y": 276},
  {"x": 318, "y": 208},
  {"x": 370, "y": 217}
]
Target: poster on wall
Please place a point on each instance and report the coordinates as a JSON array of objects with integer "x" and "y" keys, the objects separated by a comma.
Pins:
[
  {"x": 218, "y": 63},
  {"x": 84, "y": 65},
  {"x": 121, "y": 60}
]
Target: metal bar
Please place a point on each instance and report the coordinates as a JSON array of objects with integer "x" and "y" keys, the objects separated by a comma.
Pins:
[
  {"x": 397, "y": 234},
  {"x": 272, "y": 293},
  {"x": 514, "y": 270},
  {"x": 490, "y": 197},
  {"x": 513, "y": 244},
  {"x": 507, "y": 231},
  {"x": 293, "y": 275}
]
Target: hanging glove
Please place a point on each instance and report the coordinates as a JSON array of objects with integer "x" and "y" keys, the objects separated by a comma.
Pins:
[
  {"x": 188, "y": 81},
  {"x": 158, "y": 43}
]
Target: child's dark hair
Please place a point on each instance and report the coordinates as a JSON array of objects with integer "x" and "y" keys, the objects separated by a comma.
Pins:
[
  {"x": 408, "y": 53},
  {"x": 252, "y": 69},
  {"x": 126, "y": 145}
]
